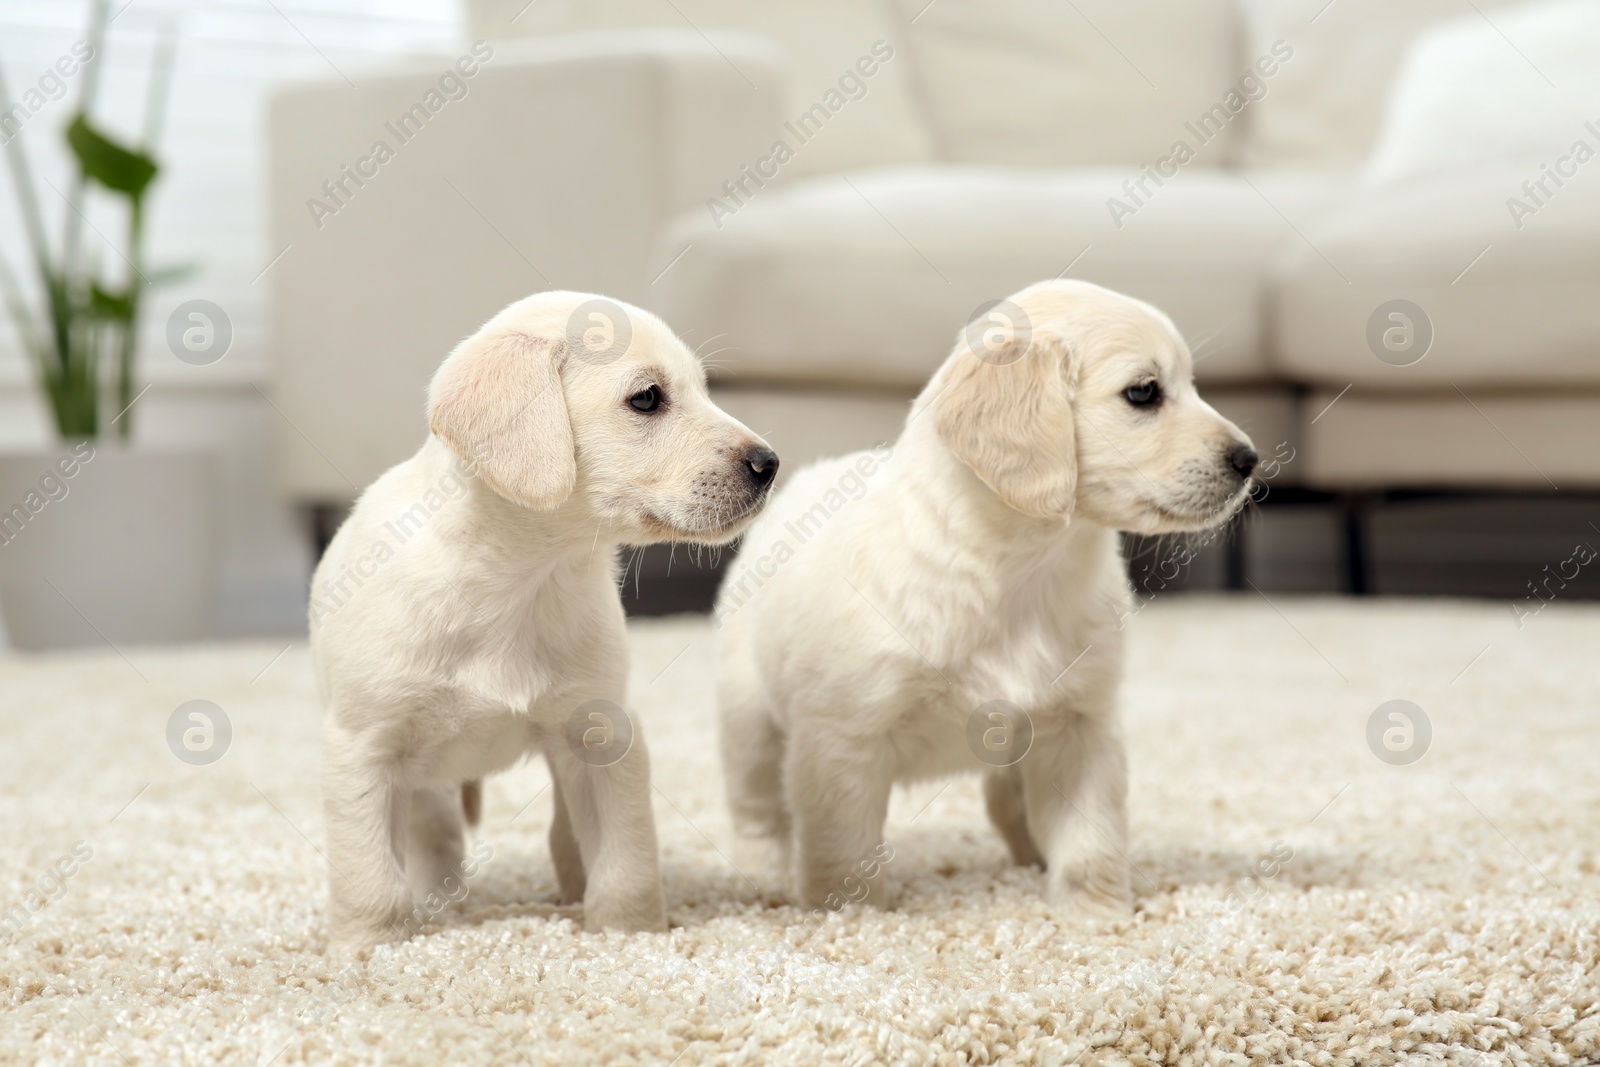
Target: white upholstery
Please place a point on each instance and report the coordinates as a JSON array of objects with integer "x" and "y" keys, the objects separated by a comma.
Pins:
[
  {"x": 1325, "y": 104},
  {"x": 1463, "y": 98},
  {"x": 1046, "y": 83},
  {"x": 867, "y": 278},
  {"x": 1524, "y": 315},
  {"x": 1504, "y": 274},
  {"x": 986, "y": 154},
  {"x": 815, "y": 42}
]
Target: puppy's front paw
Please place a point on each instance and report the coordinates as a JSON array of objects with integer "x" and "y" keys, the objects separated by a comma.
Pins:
[
  {"x": 356, "y": 925},
  {"x": 835, "y": 891},
  {"x": 352, "y": 937},
  {"x": 1081, "y": 905},
  {"x": 1098, "y": 889},
  {"x": 641, "y": 913}
]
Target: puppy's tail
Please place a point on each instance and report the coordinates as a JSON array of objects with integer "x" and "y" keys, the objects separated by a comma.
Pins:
[{"x": 472, "y": 801}]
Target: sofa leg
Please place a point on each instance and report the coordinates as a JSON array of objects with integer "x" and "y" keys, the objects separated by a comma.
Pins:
[
  {"x": 323, "y": 521},
  {"x": 1354, "y": 509}
]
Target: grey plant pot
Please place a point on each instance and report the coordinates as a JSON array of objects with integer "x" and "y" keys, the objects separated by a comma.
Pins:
[{"x": 101, "y": 544}]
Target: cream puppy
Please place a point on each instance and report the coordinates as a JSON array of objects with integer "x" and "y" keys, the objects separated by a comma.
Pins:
[
  {"x": 467, "y": 615},
  {"x": 964, "y": 613}
]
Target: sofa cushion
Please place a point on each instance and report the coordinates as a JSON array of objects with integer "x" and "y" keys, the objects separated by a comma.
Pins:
[
  {"x": 1505, "y": 281},
  {"x": 868, "y": 278},
  {"x": 872, "y": 120},
  {"x": 1324, "y": 105},
  {"x": 1044, "y": 83},
  {"x": 1464, "y": 99}
]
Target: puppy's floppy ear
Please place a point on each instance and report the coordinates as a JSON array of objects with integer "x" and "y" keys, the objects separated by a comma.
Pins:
[
  {"x": 497, "y": 401},
  {"x": 1009, "y": 418}
]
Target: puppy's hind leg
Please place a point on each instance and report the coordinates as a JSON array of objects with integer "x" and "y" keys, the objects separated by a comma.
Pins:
[
  {"x": 436, "y": 841},
  {"x": 564, "y": 851},
  {"x": 839, "y": 794},
  {"x": 752, "y": 763},
  {"x": 1003, "y": 798}
]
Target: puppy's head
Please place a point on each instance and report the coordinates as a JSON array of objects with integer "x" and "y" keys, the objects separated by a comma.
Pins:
[
  {"x": 1070, "y": 398},
  {"x": 569, "y": 400}
]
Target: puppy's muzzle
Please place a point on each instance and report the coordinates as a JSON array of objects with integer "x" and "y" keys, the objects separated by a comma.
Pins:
[{"x": 760, "y": 466}]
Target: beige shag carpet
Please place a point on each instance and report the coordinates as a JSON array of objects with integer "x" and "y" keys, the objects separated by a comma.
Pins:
[{"x": 1299, "y": 900}]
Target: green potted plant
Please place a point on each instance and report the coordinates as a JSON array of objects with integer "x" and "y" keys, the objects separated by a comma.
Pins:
[{"x": 101, "y": 538}]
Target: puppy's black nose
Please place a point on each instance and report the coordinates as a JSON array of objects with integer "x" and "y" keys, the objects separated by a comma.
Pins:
[
  {"x": 1243, "y": 460},
  {"x": 762, "y": 463}
]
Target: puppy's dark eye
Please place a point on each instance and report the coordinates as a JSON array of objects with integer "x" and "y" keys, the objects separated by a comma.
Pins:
[
  {"x": 646, "y": 399},
  {"x": 1143, "y": 395}
]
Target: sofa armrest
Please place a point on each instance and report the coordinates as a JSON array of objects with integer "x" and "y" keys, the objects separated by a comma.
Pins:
[{"x": 411, "y": 210}]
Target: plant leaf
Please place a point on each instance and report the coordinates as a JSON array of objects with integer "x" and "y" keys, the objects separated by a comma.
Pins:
[
  {"x": 103, "y": 160},
  {"x": 109, "y": 305},
  {"x": 171, "y": 274}
]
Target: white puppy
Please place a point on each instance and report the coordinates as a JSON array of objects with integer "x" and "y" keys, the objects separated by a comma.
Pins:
[
  {"x": 964, "y": 612},
  {"x": 467, "y": 615}
]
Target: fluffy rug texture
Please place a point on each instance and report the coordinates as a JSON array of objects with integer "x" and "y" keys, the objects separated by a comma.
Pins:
[{"x": 1298, "y": 898}]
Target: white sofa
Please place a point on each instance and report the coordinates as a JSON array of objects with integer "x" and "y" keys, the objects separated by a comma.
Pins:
[{"x": 940, "y": 155}]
